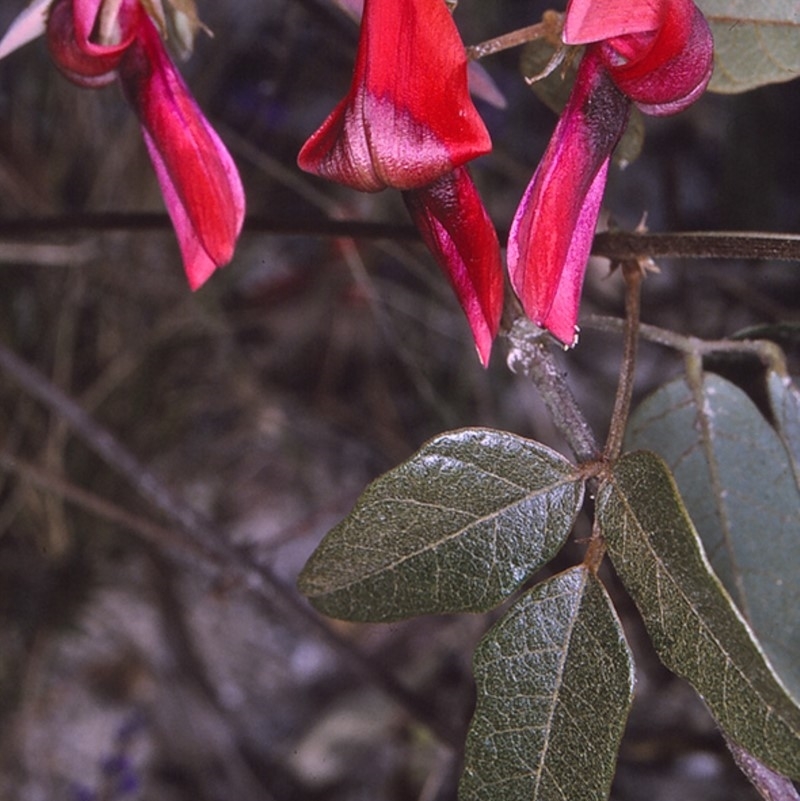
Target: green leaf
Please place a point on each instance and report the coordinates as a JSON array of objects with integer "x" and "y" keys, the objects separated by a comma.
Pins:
[
  {"x": 555, "y": 682},
  {"x": 457, "y": 527},
  {"x": 739, "y": 485},
  {"x": 755, "y": 43},
  {"x": 694, "y": 625},
  {"x": 781, "y": 12},
  {"x": 784, "y": 399}
]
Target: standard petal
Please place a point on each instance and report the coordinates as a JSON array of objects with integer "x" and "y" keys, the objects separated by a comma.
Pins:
[
  {"x": 456, "y": 228},
  {"x": 408, "y": 118},
  {"x": 199, "y": 180},
  {"x": 551, "y": 234},
  {"x": 594, "y": 20}
]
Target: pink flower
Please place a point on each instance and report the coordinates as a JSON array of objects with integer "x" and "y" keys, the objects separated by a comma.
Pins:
[
  {"x": 93, "y": 44},
  {"x": 408, "y": 122},
  {"x": 655, "y": 53}
]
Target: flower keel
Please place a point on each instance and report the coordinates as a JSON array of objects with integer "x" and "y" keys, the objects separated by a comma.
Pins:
[
  {"x": 198, "y": 178},
  {"x": 551, "y": 234},
  {"x": 456, "y": 228}
]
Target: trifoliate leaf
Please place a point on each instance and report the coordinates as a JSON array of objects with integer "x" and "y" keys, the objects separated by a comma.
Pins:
[
  {"x": 457, "y": 527},
  {"x": 694, "y": 625},
  {"x": 554, "y": 680},
  {"x": 739, "y": 484}
]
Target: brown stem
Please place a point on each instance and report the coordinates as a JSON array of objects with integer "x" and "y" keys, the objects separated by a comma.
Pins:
[
  {"x": 633, "y": 274},
  {"x": 771, "y": 786},
  {"x": 596, "y": 550},
  {"x": 530, "y": 354},
  {"x": 511, "y": 39},
  {"x": 625, "y": 245},
  {"x": 768, "y": 352}
]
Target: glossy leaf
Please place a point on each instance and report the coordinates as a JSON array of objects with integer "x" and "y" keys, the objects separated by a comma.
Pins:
[
  {"x": 692, "y": 621},
  {"x": 739, "y": 486},
  {"x": 555, "y": 681},
  {"x": 457, "y": 527},
  {"x": 755, "y": 43}
]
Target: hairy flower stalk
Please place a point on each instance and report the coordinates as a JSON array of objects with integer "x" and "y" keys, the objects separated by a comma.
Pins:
[
  {"x": 93, "y": 43},
  {"x": 408, "y": 123},
  {"x": 655, "y": 54}
]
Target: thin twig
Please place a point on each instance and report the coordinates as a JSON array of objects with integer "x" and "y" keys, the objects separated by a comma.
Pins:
[
  {"x": 628, "y": 245},
  {"x": 633, "y": 272},
  {"x": 511, "y": 39},
  {"x": 530, "y": 354},
  {"x": 615, "y": 245},
  {"x": 767, "y": 352},
  {"x": 771, "y": 786},
  {"x": 142, "y": 527}
]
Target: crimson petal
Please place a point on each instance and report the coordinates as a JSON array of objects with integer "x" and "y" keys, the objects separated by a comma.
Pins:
[
  {"x": 198, "y": 178},
  {"x": 408, "y": 118},
  {"x": 666, "y": 71},
  {"x": 456, "y": 228}
]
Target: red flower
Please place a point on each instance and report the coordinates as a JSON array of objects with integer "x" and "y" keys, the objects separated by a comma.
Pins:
[
  {"x": 408, "y": 118},
  {"x": 198, "y": 178},
  {"x": 657, "y": 55},
  {"x": 456, "y": 228},
  {"x": 408, "y": 122}
]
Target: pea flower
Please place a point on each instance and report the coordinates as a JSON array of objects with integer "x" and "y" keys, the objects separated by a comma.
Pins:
[
  {"x": 408, "y": 123},
  {"x": 93, "y": 43},
  {"x": 656, "y": 54}
]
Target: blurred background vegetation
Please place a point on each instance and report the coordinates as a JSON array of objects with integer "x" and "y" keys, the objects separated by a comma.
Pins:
[{"x": 253, "y": 412}]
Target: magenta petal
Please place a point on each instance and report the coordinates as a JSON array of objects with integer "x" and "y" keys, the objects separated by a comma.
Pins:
[
  {"x": 199, "y": 266},
  {"x": 456, "y": 228},
  {"x": 552, "y": 231},
  {"x": 198, "y": 177},
  {"x": 562, "y": 318}
]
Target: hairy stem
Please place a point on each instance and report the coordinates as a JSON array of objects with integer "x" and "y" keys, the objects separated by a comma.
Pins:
[
  {"x": 633, "y": 273},
  {"x": 767, "y": 352},
  {"x": 549, "y": 26},
  {"x": 771, "y": 786},
  {"x": 530, "y": 354}
]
